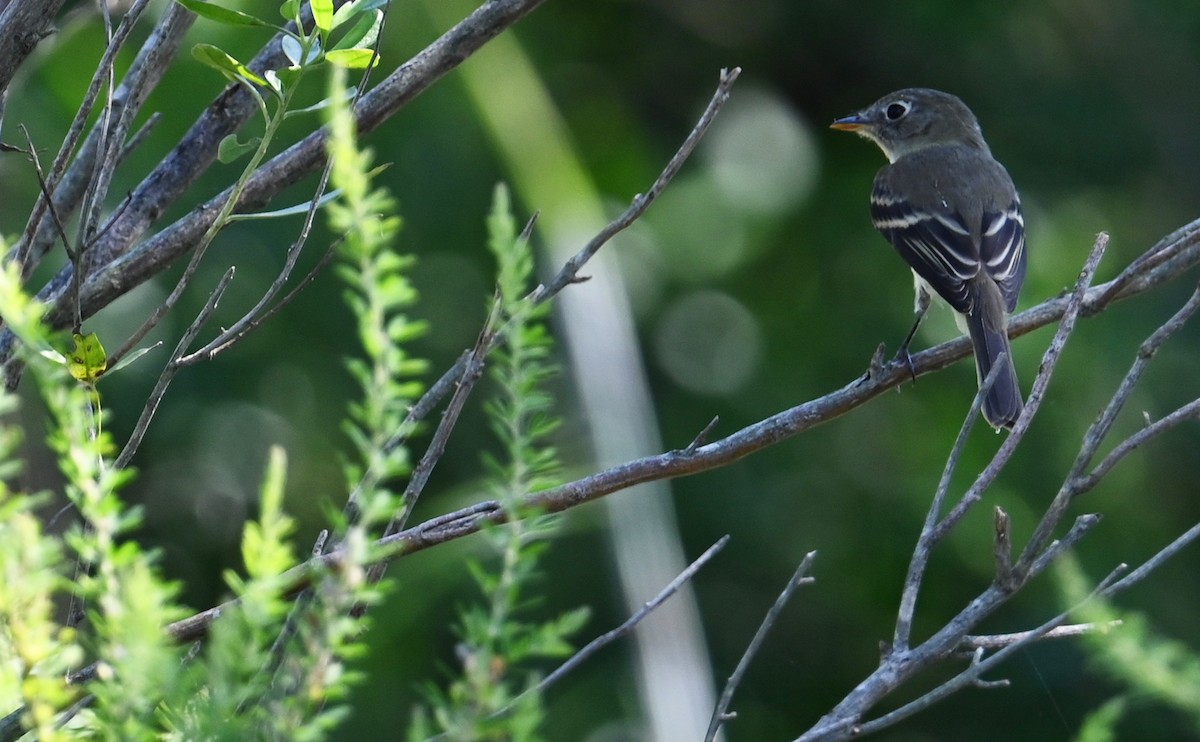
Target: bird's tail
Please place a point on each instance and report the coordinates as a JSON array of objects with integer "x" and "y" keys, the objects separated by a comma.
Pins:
[{"x": 988, "y": 328}]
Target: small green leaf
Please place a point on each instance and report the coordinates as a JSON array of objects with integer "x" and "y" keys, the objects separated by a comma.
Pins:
[
  {"x": 230, "y": 148},
  {"x": 53, "y": 355},
  {"x": 363, "y": 33},
  {"x": 133, "y": 356},
  {"x": 319, "y": 105},
  {"x": 287, "y": 77},
  {"x": 222, "y": 15},
  {"x": 346, "y": 12},
  {"x": 322, "y": 11},
  {"x": 352, "y": 9},
  {"x": 88, "y": 360},
  {"x": 351, "y": 59},
  {"x": 290, "y": 10},
  {"x": 294, "y": 51},
  {"x": 225, "y": 64},
  {"x": 289, "y": 211}
]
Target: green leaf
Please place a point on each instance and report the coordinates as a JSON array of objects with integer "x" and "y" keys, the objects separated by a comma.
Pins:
[
  {"x": 289, "y": 211},
  {"x": 230, "y": 148},
  {"x": 265, "y": 549},
  {"x": 363, "y": 33},
  {"x": 351, "y": 59},
  {"x": 290, "y": 11},
  {"x": 223, "y": 15},
  {"x": 294, "y": 51},
  {"x": 225, "y": 64},
  {"x": 133, "y": 356},
  {"x": 284, "y": 77},
  {"x": 88, "y": 360},
  {"x": 346, "y": 12},
  {"x": 319, "y": 105},
  {"x": 1100, "y": 725},
  {"x": 322, "y": 11}
]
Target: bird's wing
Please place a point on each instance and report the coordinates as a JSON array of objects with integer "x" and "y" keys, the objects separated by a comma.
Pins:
[
  {"x": 1003, "y": 251},
  {"x": 938, "y": 244}
]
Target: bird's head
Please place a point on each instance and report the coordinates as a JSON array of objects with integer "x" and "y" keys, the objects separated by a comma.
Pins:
[{"x": 912, "y": 119}]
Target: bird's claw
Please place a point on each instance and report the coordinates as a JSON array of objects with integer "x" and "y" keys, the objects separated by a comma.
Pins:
[{"x": 903, "y": 356}]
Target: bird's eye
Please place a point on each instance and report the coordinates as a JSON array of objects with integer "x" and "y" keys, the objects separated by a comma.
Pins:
[{"x": 896, "y": 111}]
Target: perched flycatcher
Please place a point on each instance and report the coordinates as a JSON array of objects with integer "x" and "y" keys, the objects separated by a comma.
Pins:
[{"x": 952, "y": 213}]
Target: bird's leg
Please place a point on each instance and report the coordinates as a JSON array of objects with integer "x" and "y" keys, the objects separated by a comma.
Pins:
[{"x": 920, "y": 307}]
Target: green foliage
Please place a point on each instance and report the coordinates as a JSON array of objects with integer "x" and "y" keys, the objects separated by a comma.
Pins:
[
  {"x": 1100, "y": 725},
  {"x": 272, "y": 665},
  {"x": 1156, "y": 669},
  {"x": 227, "y": 16},
  {"x": 378, "y": 292},
  {"x": 495, "y": 697},
  {"x": 358, "y": 22}
]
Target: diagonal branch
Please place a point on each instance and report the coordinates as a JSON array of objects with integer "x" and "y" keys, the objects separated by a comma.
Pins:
[
  {"x": 121, "y": 266},
  {"x": 122, "y": 262}
]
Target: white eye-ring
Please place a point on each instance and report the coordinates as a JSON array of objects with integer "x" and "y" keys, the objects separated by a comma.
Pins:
[{"x": 898, "y": 110}]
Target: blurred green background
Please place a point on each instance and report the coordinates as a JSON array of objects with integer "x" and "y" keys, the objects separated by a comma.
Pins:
[{"x": 757, "y": 282}]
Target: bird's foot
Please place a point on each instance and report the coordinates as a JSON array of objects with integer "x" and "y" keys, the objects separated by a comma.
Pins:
[{"x": 903, "y": 356}]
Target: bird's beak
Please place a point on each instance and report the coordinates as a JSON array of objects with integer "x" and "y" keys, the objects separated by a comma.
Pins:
[{"x": 855, "y": 122}]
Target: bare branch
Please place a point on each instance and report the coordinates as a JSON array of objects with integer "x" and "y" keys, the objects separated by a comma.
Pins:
[
  {"x": 969, "y": 677},
  {"x": 624, "y": 629},
  {"x": 1069, "y": 631},
  {"x": 1040, "y": 383},
  {"x": 570, "y": 271},
  {"x": 721, "y": 712},
  {"x": 1103, "y": 424},
  {"x": 22, "y": 26},
  {"x": 1190, "y": 411},
  {"x": 702, "y": 437},
  {"x": 69, "y": 187},
  {"x": 437, "y": 446},
  {"x": 924, "y": 547},
  {"x": 124, "y": 265},
  {"x": 170, "y": 370}
]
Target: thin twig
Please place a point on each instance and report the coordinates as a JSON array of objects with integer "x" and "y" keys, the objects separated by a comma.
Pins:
[
  {"x": 144, "y": 73},
  {"x": 974, "y": 672},
  {"x": 1069, "y": 631},
  {"x": 1188, "y": 412},
  {"x": 437, "y": 446},
  {"x": 253, "y": 318},
  {"x": 569, "y": 272},
  {"x": 288, "y": 298},
  {"x": 1040, "y": 383},
  {"x": 170, "y": 370},
  {"x": 702, "y": 437},
  {"x": 1103, "y": 424},
  {"x": 124, "y": 263},
  {"x": 924, "y": 548},
  {"x": 721, "y": 711},
  {"x": 595, "y": 645},
  {"x": 1146, "y": 352}
]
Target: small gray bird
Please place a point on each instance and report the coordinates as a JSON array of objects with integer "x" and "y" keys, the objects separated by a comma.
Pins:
[{"x": 953, "y": 214}]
